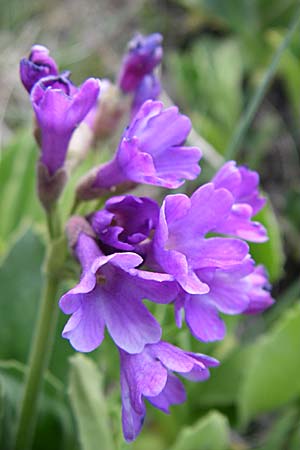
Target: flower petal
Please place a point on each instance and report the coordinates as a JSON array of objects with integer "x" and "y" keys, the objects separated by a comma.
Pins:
[
  {"x": 203, "y": 320},
  {"x": 85, "y": 329},
  {"x": 172, "y": 394}
]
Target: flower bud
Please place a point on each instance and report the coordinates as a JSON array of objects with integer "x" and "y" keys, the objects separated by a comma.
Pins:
[
  {"x": 144, "y": 54},
  {"x": 37, "y": 66},
  {"x": 59, "y": 107}
]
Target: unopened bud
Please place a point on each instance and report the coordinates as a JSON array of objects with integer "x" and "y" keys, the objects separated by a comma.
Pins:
[{"x": 50, "y": 186}]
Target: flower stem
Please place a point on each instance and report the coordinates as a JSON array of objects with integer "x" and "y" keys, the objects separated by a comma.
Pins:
[
  {"x": 38, "y": 362},
  {"x": 43, "y": 338},
  {"x": 53, "y": 222}
]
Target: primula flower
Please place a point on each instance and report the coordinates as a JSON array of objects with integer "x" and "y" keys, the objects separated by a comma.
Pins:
[
  {"x": 180, "y": 245},
  {"x": 60, "y": 107},
  {"x": 126, "y": 221},
  {"x": 243, "y": 185},
  {"x": 151, "y": 151},
  {"x": 241, "y": 290},
  {"x": 149, "y": 375},
  {"x": 144, "y": 54},
  {"x": 110, "y": 294},
  {"x": 37, "y": 66}
]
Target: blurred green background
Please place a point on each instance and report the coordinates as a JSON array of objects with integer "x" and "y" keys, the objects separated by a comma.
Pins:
[{"x": 216, "y": 55}]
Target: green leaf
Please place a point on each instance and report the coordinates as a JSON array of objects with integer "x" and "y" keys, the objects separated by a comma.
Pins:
[
  {"x": 89, "y": 404},
  {"x": 54, "y": 426},
  {"x": 20, "y": 280},
  {"x": 19, "y": 202},
  {"x": 271, "y": 376},
  {"x": 270, "y": 253},
  {"x": 209, "y": 433}
]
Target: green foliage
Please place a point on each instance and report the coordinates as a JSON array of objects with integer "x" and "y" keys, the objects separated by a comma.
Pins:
[
  {"x": 222, "y": 387},
  {"x": 89, "y": 404},
  {"x": 19, "y": 204},
  {"x": 54, "y": 416},
  {"x": 209, "y": 433},
  {"x": 228, "y": 46},
  {"x": 280, "y": 434},
  {"x": 271, "y": 376},
  {"x": 209, "y": 76},
  {"x": 20, "y": 279}
]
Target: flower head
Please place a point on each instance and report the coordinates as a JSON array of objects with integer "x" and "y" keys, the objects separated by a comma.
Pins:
[
  {"x": 180, "y": 245},
  {"x": 125, "y": 221},
  {"x": 243, "y": 290},
  {"x": 243, "y": 185},
  {"x": 37, "y": 66},
  {"x": 151, "y": 151},
  {"x": 110, "y": 294},
  {"x": 144, "y": 54},
  {"x": 149, "y": 375},
  {"x": 60, "y": 107}
]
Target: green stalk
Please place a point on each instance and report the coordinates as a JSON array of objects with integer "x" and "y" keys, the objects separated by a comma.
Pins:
[
  {"x": 43, "y": 339},
  {"x": 38, "y": 362},
  {"x": 246, "y": 119},
  {"x": 53, "y": 222}
]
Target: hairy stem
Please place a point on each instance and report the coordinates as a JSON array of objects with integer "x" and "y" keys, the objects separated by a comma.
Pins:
[
  {"x": 38, "y": 362},
  {"x": 42, "y": 343}
]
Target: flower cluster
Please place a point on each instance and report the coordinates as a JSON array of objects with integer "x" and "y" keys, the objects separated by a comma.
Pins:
[{"x": 189, "y": 253}]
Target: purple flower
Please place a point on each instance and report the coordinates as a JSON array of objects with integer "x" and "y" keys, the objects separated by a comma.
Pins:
[
  {"x": 60, "y": 107},
  {"x": 259, "y": 293},
  {"x": 242, "y": 290},
  {"x": 243, "y": 185},
  {"x": 149, "y": 375},
  {"x": 125, "y": 221},
  {"x": 179, "y": 243},
  {"x": 37, "y": 66},
  {"x": 144, "y": 54},
  {"x": 151, "y": 151},
  {"x": 110, "y": 294},
  {"x": 148, "y": 89}
]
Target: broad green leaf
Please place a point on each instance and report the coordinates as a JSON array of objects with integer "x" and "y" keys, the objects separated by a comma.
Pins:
[
  {"x": 271, "y": 376},
  {"x": 19, "y": 202},
  {"x": 20, "y": 280},
  {"x": 270, "y": 253},
  {"x": 209, "y": 433},
  {"x": 89, "y": 405},
  {"x": 21, "y": 285},
  {"x": 54, "y": 419}
]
